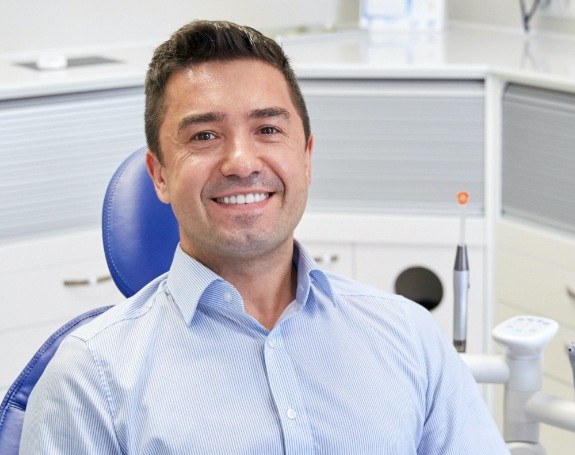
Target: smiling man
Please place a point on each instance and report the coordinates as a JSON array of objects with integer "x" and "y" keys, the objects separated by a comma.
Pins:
[
  {"x": 235, "y": 166},
  {"x": 245, "y": 346}
]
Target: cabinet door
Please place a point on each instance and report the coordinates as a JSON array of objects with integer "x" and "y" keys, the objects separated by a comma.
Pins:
[
  {"x": 46, "y": 282},
  {"x": 57, "y": 154},
  {"x": 538, "y": 163},
  {"x": 402, "y": 147}
]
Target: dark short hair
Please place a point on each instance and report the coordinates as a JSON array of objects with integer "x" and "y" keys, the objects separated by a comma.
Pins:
[{"x": 204, "y": 41}]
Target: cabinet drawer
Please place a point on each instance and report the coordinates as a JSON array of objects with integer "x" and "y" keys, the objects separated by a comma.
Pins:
[
  {"x": 40, "y": 295},
  {"x": 33, "y": 276},
  {"x": 535, "y": 271},
  {"x": 535, "y": 286},
  {"x": 332, "y": 257}
]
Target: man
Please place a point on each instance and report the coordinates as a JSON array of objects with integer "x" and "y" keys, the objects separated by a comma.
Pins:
[{"x": 245, "y": 346}]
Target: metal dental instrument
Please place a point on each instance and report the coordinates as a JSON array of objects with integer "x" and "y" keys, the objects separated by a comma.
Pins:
[{"x": 460, "y": 282}]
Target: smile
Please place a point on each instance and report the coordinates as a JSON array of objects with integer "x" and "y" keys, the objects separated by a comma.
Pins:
[{"x": 243, "y": 198}]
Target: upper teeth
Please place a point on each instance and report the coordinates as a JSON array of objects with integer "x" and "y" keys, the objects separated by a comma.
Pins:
[{"x": 243, "y": 198}]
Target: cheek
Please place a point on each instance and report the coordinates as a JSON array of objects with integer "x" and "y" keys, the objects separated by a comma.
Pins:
[{"x": 185, "y": 189}]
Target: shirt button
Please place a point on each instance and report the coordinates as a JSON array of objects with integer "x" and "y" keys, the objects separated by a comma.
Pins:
[
  {"x": 228, "y": 297},
  {"x": 272, "y": 343},
  {"x": 291, "y": 414}
]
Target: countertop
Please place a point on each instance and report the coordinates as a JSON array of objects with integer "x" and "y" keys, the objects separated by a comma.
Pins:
[{"x": 457, "y": 52}]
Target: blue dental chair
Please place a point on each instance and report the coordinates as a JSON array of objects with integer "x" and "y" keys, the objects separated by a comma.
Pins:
[{"x": 140, "y": 234}]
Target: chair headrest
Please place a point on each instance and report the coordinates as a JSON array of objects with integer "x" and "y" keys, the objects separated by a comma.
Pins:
[{"x": 140, "y": 233}]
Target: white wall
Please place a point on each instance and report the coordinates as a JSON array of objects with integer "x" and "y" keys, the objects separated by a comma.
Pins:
[{"x": 32, "y": 25}]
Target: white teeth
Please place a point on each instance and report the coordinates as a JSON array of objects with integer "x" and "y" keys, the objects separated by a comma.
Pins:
[{"x": 243, "y": 198}]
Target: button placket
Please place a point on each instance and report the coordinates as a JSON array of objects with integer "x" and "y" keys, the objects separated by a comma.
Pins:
[{"x": 286, "y": 393}]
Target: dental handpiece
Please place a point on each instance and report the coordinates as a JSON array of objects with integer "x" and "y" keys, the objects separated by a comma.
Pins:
[
  {"x": 571, "y": 353},
  {"x": 460, "y": 282},
  {"x": 460, "y": 294}
]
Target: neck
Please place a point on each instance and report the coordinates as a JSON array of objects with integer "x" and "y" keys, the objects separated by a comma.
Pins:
[
  {"x": 267, "y": 284},
  {"x": 267, "y": 293}
]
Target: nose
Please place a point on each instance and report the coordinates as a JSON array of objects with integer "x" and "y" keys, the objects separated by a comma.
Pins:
[{"x": 242, "y": 160}]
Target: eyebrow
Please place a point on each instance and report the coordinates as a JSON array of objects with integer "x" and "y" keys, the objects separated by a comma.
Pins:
[
  {"x": 196, "y": 119},
  {"x": 270, "y": 112}
]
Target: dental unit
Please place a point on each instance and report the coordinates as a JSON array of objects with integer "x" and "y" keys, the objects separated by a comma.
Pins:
[{"x": 520, "y": 370}]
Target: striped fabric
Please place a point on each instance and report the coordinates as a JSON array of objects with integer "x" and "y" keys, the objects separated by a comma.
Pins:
[{"x": 180, "y": 368}]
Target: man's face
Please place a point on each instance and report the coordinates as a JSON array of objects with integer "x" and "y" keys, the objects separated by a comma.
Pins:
[{"x": 236, "y": 165}]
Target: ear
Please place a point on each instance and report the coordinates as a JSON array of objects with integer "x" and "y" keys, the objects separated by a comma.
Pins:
[
  {"x": 308, "y": 153},
  {"x": 157, "y": 174}
]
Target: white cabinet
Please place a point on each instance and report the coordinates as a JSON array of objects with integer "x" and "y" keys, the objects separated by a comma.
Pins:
[
  {"x": 534, "y": 251},
  {"x": 36, "y": 298},
  {"x": 535, "y": 245}
]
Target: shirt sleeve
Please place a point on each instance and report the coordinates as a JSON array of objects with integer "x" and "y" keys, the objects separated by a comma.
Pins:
[
  {"x": 458, "y": 419},
  {"x": 67, "y": 411}
]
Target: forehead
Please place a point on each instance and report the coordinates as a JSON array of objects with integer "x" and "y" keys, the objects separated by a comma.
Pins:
[{"x": 227, "y": 84}]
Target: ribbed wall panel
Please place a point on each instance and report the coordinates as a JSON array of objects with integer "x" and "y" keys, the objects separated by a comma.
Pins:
[
  {"x": 58, "y": 154},
  {"x": 538, "y": 158},
  {"x": 396, "y": 146}
]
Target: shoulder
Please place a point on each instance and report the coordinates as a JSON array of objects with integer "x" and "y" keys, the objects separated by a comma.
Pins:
[
  {"x": 345, "y": 286},
  {"x": 347, "y": 291},
  {"x": 386, "y": 313},
  {"x": 132, "y": 309}
]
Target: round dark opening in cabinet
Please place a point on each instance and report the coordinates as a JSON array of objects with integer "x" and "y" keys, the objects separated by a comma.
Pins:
[{"x": 420, "y": 285}]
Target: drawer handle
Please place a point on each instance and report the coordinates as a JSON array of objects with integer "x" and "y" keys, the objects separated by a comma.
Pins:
[
  {"x": 91, "y": 281},
  {"x": 326, "y": 259},
  {"x": 570, "y": 292}
]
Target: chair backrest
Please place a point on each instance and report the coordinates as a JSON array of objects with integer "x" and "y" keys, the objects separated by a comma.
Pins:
[
  {"x": 13, "y": 406},
  {"x": 140, "y": 233}
]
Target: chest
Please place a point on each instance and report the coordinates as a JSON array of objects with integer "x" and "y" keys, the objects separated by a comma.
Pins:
[{"x": 222, "y": 391}]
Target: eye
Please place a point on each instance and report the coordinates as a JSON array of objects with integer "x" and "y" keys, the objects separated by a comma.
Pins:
[
  {"x": 268, "y": 130},
  {"x": 204, "y": 136}
]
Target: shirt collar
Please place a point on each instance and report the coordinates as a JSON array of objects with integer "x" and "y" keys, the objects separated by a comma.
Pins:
[
  {"x": 308, "y": 272},
  {"x": 188, "y": 280}
]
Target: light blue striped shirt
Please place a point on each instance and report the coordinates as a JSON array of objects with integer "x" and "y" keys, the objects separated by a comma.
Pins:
[{"x": 180, "y": 368}]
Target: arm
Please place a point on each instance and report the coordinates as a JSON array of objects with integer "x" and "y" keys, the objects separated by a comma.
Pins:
[
  {"x": 68, "y": 411},
  {"x": 457, "y": 420}
]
